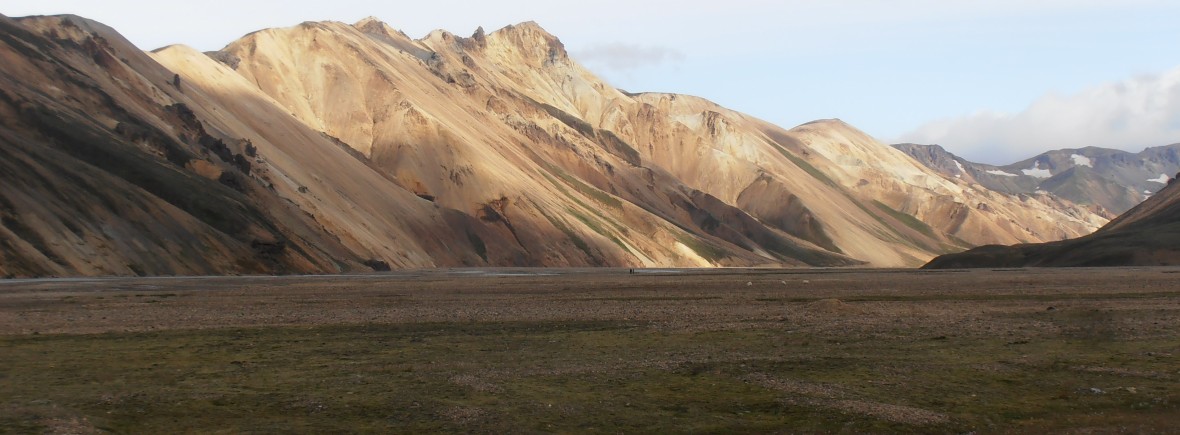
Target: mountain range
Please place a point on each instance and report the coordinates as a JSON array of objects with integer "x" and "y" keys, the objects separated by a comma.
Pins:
[
  {"x": 1111, "y": 181},
  {"x": 329, "y": 147},
  {"x": 1147, "y": 235}
]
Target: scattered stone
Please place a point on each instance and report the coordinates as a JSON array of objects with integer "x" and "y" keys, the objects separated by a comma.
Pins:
[
  {"x": 1051, "y": 309},
  {"x": 749, "y": 283},
  {"x": 1097, "y": 391}
]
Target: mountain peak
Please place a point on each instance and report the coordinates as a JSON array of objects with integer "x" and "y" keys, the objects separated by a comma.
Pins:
[
  {"x": 830, "y": 126},
  {"x": 369, "y": 21},
  {"x": 527, "y": 25},
  {"x": 532, "y": 40},
  {"x": 71, "y": 27},
  {"x": 374, "y": 26}
]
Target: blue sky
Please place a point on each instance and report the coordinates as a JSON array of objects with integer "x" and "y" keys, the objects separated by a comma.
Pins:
[{"x": 996, "y": 81}]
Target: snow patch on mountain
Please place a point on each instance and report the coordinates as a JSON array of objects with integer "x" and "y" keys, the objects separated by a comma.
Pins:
[
  {"x": 1081, "y": 160},
  {"x": 1037, "y": 172}
]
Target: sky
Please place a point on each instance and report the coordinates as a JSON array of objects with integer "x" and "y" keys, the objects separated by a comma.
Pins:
[{"x": 993, "y": 81}]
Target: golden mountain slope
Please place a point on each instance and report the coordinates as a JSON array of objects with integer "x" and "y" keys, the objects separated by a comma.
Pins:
[
  {"x": 315, "y": 148},
  {"x": 399, "y": 101}
]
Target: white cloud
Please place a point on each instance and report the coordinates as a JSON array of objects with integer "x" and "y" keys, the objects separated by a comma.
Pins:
[
  {"x": 1130, "y": 115},
  {"x": 624, "y": 57}
]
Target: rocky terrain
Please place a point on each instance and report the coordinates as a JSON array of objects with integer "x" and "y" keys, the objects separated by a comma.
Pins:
[
  {"x": 1147, "y": 235},
  {"x": 1110, "y": 181},
  {"x": 328, "y": 147}
]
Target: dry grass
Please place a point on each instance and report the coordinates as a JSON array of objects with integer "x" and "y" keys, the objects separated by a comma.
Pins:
[{"x": 597, "y": 351}]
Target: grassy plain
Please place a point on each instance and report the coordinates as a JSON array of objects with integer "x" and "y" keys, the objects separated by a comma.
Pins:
[{"x": 597, "y": 351}]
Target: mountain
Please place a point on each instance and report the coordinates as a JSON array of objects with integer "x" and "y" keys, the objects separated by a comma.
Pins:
[
  {"x": 1114, "y": 180},
  {"x": 328, "y": 147},
  {"x": 1147, "y": 235}
]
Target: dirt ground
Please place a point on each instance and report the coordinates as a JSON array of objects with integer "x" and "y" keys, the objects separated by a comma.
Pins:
[{"x": 1063, "y": 350}]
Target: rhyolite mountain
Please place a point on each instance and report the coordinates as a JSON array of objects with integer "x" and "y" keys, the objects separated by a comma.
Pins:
[
  {"x": 1147, "y": 235},
  {"x": 1111, "y": 179},
  {"x": 328, "y": 147}
]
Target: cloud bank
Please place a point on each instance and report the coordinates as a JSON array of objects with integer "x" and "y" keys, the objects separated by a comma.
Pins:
[
  {"x": 1129, "y": 115},
  {"x": 622, "y": 57}
]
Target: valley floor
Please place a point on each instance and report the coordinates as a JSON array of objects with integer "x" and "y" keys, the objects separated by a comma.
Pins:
[{"x": 1040, "y": 350}]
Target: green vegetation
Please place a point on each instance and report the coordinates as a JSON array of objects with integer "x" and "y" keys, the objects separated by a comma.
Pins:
[
  {"x": 592, "y": 192},
  {"x": 906, "y": 219},
  {"x": 561, "y": 188},
  {"x": 592, "y": 224},
  {"x": 581, "y": 217},
  {"x": 593, "y": 376},
  {"x": 720, "y": 351},
  {"x": 806, "y": 167},
  {"x": 705, "y": 250},
  {"x": 583, "y": 188},
  {"x": 570, "y": 234}
]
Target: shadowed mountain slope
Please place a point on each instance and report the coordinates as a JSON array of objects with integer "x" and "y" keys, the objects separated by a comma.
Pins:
[{"x": 1147, "y": 235}]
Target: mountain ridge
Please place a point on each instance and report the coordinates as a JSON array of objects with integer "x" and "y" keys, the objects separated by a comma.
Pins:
[
  {"x": 1112, "y": 180},
  {"x": 341, "y": 147},
  {"x": 1147, "y": 235}
]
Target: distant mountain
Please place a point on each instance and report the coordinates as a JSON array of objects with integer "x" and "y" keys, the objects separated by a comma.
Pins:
[
  {"x": 1112, "y": 179},
  {"x": 328, "y": 147},
  {"x": 1147, "y": 235}
]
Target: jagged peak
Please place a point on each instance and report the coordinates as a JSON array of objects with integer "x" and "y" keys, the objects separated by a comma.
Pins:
[
  {"x": 533, "y": 40},
  {"x": 374, "y": 26},
  {"x": 382, "y": 31},
  {"x": 525, "y": 31}
]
